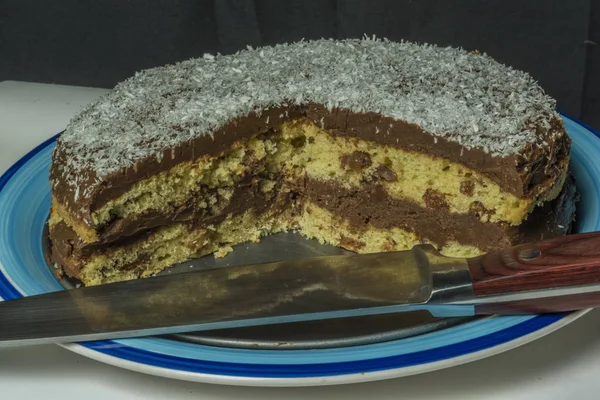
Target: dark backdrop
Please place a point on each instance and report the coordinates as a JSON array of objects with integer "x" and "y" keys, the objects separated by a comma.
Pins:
[{"x": 102, "y": 42}]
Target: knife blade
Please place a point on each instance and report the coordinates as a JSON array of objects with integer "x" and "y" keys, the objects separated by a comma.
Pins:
[{"x": 554, "y": 275}]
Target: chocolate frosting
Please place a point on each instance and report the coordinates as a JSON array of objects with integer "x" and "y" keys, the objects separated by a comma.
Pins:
[
  {"x": 246, "y": 196},
  {"x": 374, "y": 207},
  {"x": 361, "y": 208},
  {"x": 524, "y": 175}
]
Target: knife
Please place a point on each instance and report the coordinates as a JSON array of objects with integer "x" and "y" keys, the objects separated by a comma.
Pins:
[{"x": 553, "y": 275}]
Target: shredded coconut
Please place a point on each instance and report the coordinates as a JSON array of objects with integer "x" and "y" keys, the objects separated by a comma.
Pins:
[{"x": 455, "y": 94}]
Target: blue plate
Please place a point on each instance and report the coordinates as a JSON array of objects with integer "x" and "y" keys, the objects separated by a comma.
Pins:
[{"x": 24, "y": 206}]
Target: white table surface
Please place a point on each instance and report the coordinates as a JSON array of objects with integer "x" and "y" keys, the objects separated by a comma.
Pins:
[{"x": 564, "y": 363}]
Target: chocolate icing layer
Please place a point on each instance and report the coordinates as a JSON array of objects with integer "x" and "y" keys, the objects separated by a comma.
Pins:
[
  {"x": 69, "y": 251},
  {"x": 523, "y": 175},
  {"x": 247, "y": 195},
  {"x": 374, "y": 207},
  {"x": 362, "y": 208}
]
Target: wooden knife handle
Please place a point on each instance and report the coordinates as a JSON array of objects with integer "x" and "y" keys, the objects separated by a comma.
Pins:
[{"x": 563, "y": 261}]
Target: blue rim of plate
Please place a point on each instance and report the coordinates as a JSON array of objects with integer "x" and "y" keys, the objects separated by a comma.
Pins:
[{"x": 24, "y": 204}]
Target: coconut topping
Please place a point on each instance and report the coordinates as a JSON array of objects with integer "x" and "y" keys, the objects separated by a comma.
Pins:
[{"x": 462, "y": 96}]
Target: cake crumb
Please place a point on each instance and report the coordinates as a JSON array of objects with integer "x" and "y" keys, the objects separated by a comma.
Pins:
[{"x": 223, "y": 251}]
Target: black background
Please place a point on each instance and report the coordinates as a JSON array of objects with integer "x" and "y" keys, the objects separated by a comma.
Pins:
[{"x": 102, "y": 42}]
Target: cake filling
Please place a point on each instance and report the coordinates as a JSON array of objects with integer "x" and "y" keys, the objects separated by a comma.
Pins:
[
  {"x": 301, "y": 149},
  {"x": 364, "y": 221}
]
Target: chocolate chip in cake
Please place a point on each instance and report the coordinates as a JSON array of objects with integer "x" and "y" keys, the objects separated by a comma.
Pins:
[
  {"x": 356, "y": 161},
  {"x": 389, "y": 246},
  {"x": 385, "y": 173},
  {"x": 351, "y": 243},
  {"x": 479, "y": 209},
  {"x": 435, "y": 200},
  {"x": 467, "y": 188},
  {"x": 298, "y": 142}
]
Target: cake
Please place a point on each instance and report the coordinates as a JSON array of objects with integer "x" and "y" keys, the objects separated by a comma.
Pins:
[{"x": 366, "y": 144}]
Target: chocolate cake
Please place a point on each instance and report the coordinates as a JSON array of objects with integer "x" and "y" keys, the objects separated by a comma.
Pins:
[{"x": 366, "y": 144}]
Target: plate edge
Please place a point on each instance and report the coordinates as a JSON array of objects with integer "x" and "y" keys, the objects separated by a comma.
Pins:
[
  {"x": 309, "y": 381},
  {"x": 324, "y": 380}
]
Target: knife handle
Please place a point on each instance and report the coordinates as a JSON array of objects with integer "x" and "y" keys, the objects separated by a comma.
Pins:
[{"x": 570, "y": 260}]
